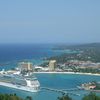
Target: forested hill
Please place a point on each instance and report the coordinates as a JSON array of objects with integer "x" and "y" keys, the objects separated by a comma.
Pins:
[
  {"x": 89, "y": 51},
  {"x": 77, "y": 46}
]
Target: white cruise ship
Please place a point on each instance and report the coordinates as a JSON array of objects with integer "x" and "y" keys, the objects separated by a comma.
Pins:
[{"x": 25, "y": 83}]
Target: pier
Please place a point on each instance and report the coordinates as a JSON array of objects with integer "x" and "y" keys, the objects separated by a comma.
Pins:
[
  {"x": 73, "y": 89},
  {"x": 63, "y": 91}
]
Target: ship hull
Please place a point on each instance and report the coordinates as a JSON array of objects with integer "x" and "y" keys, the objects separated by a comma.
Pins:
[{"x": 19, "y": 87}]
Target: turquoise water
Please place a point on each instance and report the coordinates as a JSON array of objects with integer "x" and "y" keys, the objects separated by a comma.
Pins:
[{"x": 58, "y": 81}]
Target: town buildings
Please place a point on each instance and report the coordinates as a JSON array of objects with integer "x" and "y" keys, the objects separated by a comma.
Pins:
[
  {"x": 25, "y": 66},
  {"x": 52, "y": 65}
]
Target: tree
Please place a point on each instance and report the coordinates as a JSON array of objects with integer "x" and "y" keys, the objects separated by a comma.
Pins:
[
  {"x": 28, "y": 98},
  {"x": 91, "y": 96},
  {"x": 9, "y": 97}
]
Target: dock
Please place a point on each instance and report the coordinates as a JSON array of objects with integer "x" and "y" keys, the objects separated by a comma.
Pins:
[{"x": 63, "y": 91}]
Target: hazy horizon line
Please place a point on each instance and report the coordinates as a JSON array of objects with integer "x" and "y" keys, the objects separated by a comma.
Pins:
[{"x": 50, "y": 43}]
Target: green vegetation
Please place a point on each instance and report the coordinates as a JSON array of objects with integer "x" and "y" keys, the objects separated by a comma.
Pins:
[
  {"x": 86, "y": 70},
  {"x": 13, "y": 97},
  {"x": 9, "y": 97},
  {"x": 88, "y": 52},
  {"x": 45, "y": 64},
  {"x": 97, "y": 86},
  {"x": 64, "y": 97},
  {"x": 91, "y": 96}
]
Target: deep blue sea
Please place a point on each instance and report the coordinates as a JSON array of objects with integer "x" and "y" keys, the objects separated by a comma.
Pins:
[{"x": 11, "y": 54}]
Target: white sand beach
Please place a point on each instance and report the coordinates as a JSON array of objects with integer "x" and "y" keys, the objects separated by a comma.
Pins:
[{"x": 67, "y": 73}]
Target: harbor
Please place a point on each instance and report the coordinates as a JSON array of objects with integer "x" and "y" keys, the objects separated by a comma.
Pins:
[{"x": 52, "y": 85}]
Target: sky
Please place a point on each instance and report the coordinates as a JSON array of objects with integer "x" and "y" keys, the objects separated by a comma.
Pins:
[{"x": 49, "y": 21}]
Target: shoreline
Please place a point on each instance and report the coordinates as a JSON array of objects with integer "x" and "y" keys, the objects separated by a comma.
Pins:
[{"x": 77, "y": 73}]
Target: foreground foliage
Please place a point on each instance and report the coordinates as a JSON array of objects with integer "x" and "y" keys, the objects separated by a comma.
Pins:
[
  {"x": 9, "y": 97},
  {"x": 91, "y": 96},
  {"x": 13, "y": 97},
  {"x": 64, "y": 97}
]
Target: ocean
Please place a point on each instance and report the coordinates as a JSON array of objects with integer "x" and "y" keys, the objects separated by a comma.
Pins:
[{"x": 11, "y": 54}]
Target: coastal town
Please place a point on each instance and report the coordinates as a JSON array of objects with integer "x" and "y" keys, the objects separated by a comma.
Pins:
[
  {"x": 73, "y": 66},
  {"x": 70, "y": 66}
]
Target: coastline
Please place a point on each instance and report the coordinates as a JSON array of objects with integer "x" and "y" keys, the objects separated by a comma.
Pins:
[
  {"x": 54, "y": 72},
  {"x": 77, "y": 73}
]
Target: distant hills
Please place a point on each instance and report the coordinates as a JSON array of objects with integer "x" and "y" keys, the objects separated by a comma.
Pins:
[
  {"x": 90, "y": 51},
  {"x": 77, "y": 46}
]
